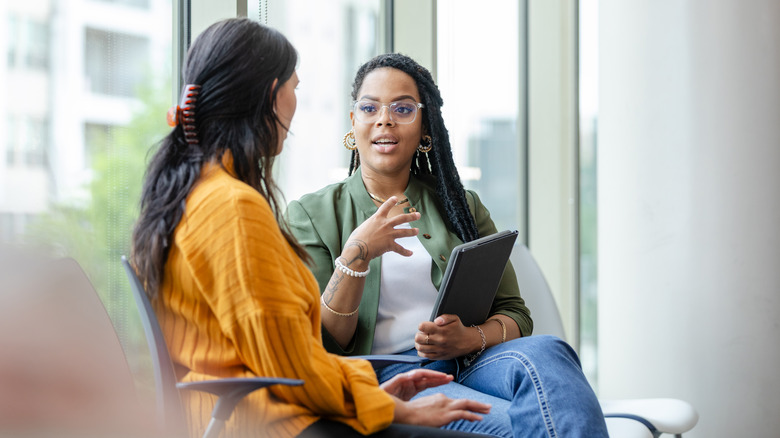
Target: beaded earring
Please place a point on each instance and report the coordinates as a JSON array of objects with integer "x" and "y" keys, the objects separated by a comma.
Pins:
[
  {"x": 349, "y": 140},
  {"x": 426, "y": 144}
]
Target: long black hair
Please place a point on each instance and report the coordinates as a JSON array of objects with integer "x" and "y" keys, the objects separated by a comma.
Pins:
[
  {"x": 438, "y": 161},
  {"x": 235, "y": 62}
]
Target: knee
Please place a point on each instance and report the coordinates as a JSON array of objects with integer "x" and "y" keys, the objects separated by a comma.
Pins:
[{"x": 546, "y": 348}]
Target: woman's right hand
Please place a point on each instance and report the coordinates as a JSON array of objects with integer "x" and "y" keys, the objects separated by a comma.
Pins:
[
  {"x": 377, "y": 235},
  {"x": 437, "y": 410}
]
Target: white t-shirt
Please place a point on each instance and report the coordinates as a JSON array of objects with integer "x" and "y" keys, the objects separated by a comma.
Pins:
[{"x": 406, "y": 297}]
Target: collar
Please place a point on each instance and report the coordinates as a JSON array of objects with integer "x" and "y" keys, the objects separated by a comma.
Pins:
[
  {"x": 226, "y": 164},
  {"x": 357, "y": 189}
]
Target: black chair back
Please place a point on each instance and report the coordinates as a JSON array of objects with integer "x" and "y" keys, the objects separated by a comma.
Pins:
[{"x": 169, "y": 408}]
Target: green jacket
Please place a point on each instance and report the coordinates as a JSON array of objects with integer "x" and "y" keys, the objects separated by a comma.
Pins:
[{"x": 322, "y": 222}]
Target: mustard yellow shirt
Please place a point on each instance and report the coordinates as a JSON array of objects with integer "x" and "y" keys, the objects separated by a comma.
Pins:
[{"x": 236, "y": 301}]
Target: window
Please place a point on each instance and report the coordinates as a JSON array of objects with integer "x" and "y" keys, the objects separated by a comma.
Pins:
[
  {"x": 28, "y": 43},
  {"x": 75, "y": 134},
  {"x": 27, "y": 140},
  {"x": 588, "y": 201},
  {"x": 333, "y": 39},
  {"x": 115, "y": 63},
  {"x": 144, "y": 4},
  {"x": 479, "y": 81}
]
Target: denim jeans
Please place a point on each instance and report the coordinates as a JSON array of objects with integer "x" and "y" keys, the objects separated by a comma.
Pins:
[{"x": 535, "y": 386}]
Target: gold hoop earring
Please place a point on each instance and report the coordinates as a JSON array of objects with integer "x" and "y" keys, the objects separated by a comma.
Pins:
[
  {"x": 349, "y": 140},
  {"x": 426, "y": 144}
]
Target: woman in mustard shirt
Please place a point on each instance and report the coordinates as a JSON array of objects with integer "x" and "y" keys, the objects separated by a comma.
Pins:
[{"x": 229, "y": 285}]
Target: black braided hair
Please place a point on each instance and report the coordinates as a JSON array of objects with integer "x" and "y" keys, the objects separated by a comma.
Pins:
[{"x": 438, "y": 161}]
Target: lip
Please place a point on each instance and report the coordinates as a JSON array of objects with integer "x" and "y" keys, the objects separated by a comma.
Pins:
[{"x": 388, "y": 137}]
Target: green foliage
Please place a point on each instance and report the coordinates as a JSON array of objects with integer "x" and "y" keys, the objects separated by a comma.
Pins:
[{"x": 97, "y": 232}]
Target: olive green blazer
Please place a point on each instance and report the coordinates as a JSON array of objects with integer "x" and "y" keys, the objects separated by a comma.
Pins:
[{"x": 322, "y": 222}]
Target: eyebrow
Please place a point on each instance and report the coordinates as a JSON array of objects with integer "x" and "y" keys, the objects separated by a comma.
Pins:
[{"x": 395, "y": 99}]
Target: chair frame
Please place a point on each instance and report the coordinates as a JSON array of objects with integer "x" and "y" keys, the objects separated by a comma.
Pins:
[{"x": 170, "y": 413}]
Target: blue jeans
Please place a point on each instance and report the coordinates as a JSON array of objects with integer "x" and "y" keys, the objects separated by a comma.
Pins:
[{"x": 535, "y": 386}]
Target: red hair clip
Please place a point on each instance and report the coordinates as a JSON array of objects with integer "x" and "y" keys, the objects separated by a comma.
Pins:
[{"x": 184, "y": 112}]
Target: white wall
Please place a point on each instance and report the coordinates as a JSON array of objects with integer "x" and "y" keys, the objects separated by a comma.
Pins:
[{"x": 689, "y": 208}]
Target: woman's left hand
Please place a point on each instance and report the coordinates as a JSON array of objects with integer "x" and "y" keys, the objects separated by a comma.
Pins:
[
  {"x": 446, "y": 338},
  {"x": 407, "y": 385}
]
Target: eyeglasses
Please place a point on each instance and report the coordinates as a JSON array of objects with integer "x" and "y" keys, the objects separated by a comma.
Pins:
[{"x": 403, "y": 112}]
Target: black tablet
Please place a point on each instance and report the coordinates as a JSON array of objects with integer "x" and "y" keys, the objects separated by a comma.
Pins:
[{"x": 472, "y": 276}]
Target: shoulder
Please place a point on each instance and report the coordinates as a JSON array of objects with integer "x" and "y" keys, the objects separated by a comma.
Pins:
[
  {"x": 476, "y": 207},
  {"x": 219, "y": 195}
]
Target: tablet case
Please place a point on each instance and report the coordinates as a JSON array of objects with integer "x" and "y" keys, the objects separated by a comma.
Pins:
[{"x": 472, "y": 276}]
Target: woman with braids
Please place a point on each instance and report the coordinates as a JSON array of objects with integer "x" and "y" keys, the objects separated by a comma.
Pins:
[
  {"x": 379, "y": 275},
  {"x": 229, "y": 285}
]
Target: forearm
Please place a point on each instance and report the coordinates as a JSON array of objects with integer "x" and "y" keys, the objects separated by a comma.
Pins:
[
  {"x": 341, "y": 297},
  {"x": 496, "y": 333},
  {"x": 492, "y": 332}
]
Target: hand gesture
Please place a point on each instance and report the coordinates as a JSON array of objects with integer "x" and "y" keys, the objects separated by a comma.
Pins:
[
  {"x": 407, "y": 385},
  {"x": 445, "y": 338},
  {"x": 438, "y": 410},
  {"x": 377, "y": 235}
]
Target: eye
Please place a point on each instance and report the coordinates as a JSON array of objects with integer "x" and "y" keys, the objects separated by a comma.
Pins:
[
  {"x": 403, "y": 109},
  {"x": 367, "y": 107}
]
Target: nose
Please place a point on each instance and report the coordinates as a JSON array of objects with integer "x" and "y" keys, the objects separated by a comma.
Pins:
[{"x": 384, "y": 117}]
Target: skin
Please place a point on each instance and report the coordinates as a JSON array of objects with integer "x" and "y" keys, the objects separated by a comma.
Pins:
[
  {"x": 285, "y": 106},
  {"x": 435, "y": 410},
  {"x": 385, "y": 170}
]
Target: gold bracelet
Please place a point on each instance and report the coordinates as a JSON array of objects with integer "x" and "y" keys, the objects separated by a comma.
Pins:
[
  {"x": 503, "y": 329},
  {"x": 470, "y": 358},
  {"x": 322, "y": 300}
]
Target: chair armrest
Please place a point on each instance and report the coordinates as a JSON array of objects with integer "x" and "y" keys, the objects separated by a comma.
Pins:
[
  {"x": 231, "y": 390},
  {"x": 666, "y": 415},
  {"x": 627, "y": 428},
  {"x": 382, "y": 360}
]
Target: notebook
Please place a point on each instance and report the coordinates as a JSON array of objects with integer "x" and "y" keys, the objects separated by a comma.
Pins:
[{"x": 472, "y": 276}]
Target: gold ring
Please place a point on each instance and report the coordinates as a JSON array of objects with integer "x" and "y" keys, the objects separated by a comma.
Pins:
[{"x": 427, "y": 339}]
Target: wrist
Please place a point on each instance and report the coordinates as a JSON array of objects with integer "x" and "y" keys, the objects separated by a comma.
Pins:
[
  {"x": 355, "y": 254},
  {"x": 401, "y": 411},
  {"x": 354, "y": 259},
  {"x": 339, "y": 264},
  {"x": 471, "y": 357}
]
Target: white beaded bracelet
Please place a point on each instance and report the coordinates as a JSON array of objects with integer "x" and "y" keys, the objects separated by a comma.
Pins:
[{"x": 340, "y": 266}]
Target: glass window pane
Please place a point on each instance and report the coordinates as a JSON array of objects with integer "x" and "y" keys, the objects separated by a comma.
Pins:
[
  {"x": 83, "y": 102},
  {"x": 333, "y": 39},
  {"x": 27, "y": 41},
  {"x": 114, "y": 62},
  {"x": 478, "y": 75},
  {"x": 588, "y": 212}
]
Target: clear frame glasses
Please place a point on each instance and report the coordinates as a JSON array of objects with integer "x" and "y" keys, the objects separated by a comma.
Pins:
[{"x": 401, "y": 112}]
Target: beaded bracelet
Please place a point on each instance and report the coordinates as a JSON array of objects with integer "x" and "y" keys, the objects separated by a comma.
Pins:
[
  {"x": 470, "y": 358},
  {"x": 335, "y": 312},
  {"x": 340, "y": 266}
]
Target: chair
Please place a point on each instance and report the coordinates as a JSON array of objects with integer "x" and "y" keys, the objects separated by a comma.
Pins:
[
  {"x": 231, "y": 391},
  {"x": 635, "y": 418},
  {"x": 169, "y": 409}
]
